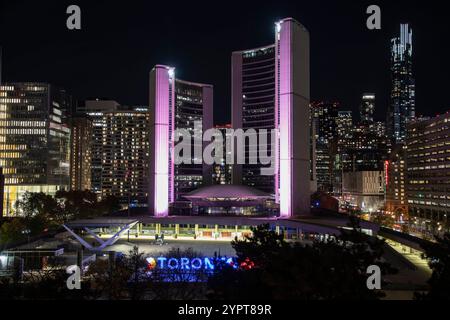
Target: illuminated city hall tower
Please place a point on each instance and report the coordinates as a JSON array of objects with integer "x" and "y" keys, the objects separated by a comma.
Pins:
[
  {"x": 292, "y": 118},
  {"x": 271, "y": 90},
  {"x": 175, "y": 104}
]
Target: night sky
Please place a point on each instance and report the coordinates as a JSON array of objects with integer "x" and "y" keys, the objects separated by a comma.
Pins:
[{"x": 121, "y": 41}]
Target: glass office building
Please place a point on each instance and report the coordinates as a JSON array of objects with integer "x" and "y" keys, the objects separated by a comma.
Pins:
[{"x": 34, "y": 140}]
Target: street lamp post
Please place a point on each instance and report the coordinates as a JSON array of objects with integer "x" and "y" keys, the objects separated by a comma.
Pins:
[{"x": 27, "y": 232}]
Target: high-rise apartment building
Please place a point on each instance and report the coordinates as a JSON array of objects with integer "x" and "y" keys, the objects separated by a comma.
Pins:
[
  {"x": 270, "y": 90},
  {"x": 80, "y": 153},
  {"x": 402, "y": 105},
  {"x": 428, "y": 174},
  {"x": 126, "y": 156},
  {"x": 96, "y": 110},
  {"x": 184, "y": 106},
  {"x": 34, "y": 140}
]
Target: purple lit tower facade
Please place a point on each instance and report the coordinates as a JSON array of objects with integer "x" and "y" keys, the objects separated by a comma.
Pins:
[
  {"x": 270, "y": 90},
  {"x": 175, "y": 104}
]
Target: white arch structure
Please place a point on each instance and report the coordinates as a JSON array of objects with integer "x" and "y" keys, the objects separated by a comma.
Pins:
[{"x": 124, "y": 227}]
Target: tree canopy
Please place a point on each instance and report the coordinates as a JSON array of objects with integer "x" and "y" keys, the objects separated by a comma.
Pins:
[{"x": 271, "y": 268}]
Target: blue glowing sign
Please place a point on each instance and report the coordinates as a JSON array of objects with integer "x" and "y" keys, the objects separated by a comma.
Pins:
[{"x": 185, "y": 263}]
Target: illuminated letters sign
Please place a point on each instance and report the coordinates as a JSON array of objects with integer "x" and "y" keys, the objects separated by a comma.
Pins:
[{"x": 185, "y": 263}]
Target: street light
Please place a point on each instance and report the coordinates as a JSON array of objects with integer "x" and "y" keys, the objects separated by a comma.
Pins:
[{"x": 27, "y": 232}]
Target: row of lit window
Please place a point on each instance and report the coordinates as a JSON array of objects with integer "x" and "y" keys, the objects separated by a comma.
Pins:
[
  {"x": 23, "y": 131},
  {"x": 422, "y": 148},
  {"x": 10, "y": 100},
  {"x": 447, "y": 166},
  {"x": 13, "y": 123},
  {"x": 429, "y": 203}
]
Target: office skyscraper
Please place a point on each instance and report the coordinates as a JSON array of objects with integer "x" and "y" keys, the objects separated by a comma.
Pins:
[
  {"x": 402, "y": 106},
  {"x": 176, "y": 104},
  {"x": 34, "y": 140},
  {"x": 325, "y": 118},
  {"x": 270, "y": 90},
  {"x": 367, "y": 108},
  {"x": 344, "y": 129}
]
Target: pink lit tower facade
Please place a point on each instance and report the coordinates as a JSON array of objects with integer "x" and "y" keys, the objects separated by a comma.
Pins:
[
  {"x": 175, "y": 104},
  {"x": 271, "y": 90}
]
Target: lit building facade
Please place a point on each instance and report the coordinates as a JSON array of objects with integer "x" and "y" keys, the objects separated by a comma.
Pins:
[
  {"x": 223, "y": 171},
  {"x": 126, "y": 156},
  {"x": 402, "y": 106},
  {"x": 193, "y": 104},
  {"x": 379, "y": 128},
  {"x": 325, "y": 118},
  {"x": 344, "y": 129},
  {"x": 176, "y": 104},
  {"x": 395, "y": 177},
  {"x": 367, "y": 108},
  {"x": 34, "y": 140},
  {"x": 428, "y": 173},
  {"x": 253, "y": 96},
  {"x": 364, "y": 189},
  {"x": 2, "y": 188},
  {"x": 271, "y": 90},
  {"x": 325, "y": 115},
  {"x": 80, "y": 153},
  {"x": 365, "y": 148},
  {"x": 96, "y": 110}
]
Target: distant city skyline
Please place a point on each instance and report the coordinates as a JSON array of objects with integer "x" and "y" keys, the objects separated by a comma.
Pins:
[{"x": 112, "y": 60}]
